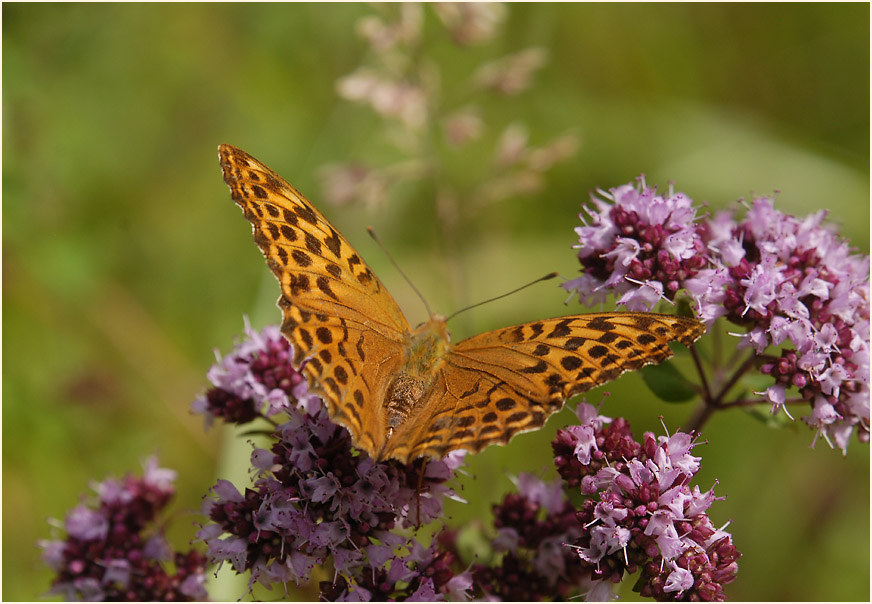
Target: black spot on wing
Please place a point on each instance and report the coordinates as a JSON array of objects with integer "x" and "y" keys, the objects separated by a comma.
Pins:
[
  {"x": 597, "y": 351},
  {"x": 465, "y": 422},
  {"x": 324, "y": 285},
  {"x": 471, "y": 391},
  {"x": 305, "y": 337},
  {"x": 306, "y": 213},
  {"x": 555, "y": 381},
  {"x": 330, "y": 383},
  {"x": 537, "y": 368},
  {"x": 571, "y": 363},
  {"x": 561, "y": 330},
  {"x": 289, "y": 217},
  {"x": 461, "y": 435},
  {"x": 643, "y": 321},
  {"x": 282, "y": 254},
  {"x": 316, "y": 365},
  {"x": 360, "y": 351},
  {"x": 608, "y": 337},
  {"x": 574, "y": 343},
  {"x": 490, "y": 430},
  {"x": 312, "y": 244},
  {"x": 505, "y": 404},
  {"x": 516, "y": 417},
  {"x": 601, "y": 324},
  {"x": 301, "y": 258},
  {"x": 299, "y": 284},
  {"x": 609, "y": 359},
  {"x": 334, "y": 243},
  {"x": 288, "y": 233}
]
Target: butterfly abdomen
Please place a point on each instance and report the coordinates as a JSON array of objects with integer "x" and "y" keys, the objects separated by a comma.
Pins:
[
  {"x": 402, "y": 396},
  {"x": 426, "y": 352}
]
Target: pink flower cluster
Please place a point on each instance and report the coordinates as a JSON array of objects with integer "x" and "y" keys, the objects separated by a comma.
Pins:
[
  {"x": 790, "y": 279},
  {"x": 316, "y": 500},
  {"x": 639, "y": 245},
  {"x": 112, "y": 552},
  {"x": 790, "y": 282},
  {"x": 640, "y": 512},
  {"x": 530, "y": 561}
]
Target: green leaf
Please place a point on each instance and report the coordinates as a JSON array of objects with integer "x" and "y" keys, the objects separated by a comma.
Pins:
[{"x": 667, "y": 383}]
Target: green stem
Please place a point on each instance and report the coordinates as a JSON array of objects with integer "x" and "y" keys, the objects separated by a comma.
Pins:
[
  {"x": 716, "y": 403},
  {"x": 707, "y": 393},
  {"x": 737, "y": 375}
]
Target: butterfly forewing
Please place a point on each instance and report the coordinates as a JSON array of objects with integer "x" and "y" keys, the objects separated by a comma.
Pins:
[
  {"x": 337, "y": 313},
  {"x": 511, "y": 380}
]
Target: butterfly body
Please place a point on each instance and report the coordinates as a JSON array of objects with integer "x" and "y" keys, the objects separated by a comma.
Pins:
[
  {"x": 428, "y": 345},
  {"x": 405, "y": 393}
]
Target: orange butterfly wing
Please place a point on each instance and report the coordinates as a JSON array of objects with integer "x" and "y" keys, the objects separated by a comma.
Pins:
[
  {"x": 500, "y": 383},
  {"x": 348, "y": 332}
]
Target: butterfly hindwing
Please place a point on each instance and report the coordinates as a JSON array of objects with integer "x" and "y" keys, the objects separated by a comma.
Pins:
[
  {"x": 557, "y": 358},
  {"x": 350, "y": 367},
  {"x": 466, "y": 409},
  {"x": 503, "y": 382}
]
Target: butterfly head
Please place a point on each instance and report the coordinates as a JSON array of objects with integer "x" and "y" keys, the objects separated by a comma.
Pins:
[{"x": 430, "y": 342}]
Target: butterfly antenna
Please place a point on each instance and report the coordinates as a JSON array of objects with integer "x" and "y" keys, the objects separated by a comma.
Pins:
[
  {"x": 514, "y": 291},
  {"x": 399, "y": 270}
]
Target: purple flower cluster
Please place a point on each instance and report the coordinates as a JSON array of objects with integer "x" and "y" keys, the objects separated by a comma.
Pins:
[
  {"x": 108, "y": 554},
  {"x": 419, "y": 574},
  {"x": 316, "y": 499},
  {"x": 532, "y": 527},
  {"x": 789, "y": 279},
  {"x": 639, "y": 511},
  {"x": 641, "y": 246},
  {"x": 256, "y": 380},
  {"x": 784, "y": 279},
  {"x": 317, "y": 504}
]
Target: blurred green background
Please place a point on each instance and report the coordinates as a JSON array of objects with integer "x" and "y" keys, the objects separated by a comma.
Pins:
[{"x": 125, "y": 263}]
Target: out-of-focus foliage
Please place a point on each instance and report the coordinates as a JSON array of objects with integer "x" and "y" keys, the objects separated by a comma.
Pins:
[{"x": 125, "y": 262}]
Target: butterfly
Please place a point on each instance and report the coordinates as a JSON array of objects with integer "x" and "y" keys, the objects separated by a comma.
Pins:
[{"x": 405, "y": 393}]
